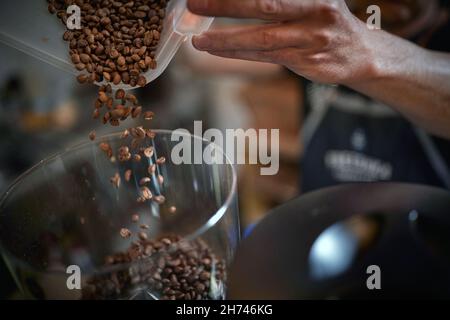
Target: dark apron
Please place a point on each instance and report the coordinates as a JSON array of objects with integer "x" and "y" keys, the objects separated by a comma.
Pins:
[{"x": 350, "y": 138}]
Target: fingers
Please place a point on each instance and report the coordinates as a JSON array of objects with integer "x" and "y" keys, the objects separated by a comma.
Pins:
[
  {"x": 261, "y": 56},
  {"x": 261, "y": 37},
  {"x": 276, "y": 56},
  {"x": 278, "y": 10}
]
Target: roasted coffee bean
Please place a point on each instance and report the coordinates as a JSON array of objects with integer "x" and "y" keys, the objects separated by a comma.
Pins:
[
  {"x": 109, "y": 103},
  {"x": 115, "y": 180},
  {"x": 133, "y": 132},
  {"x": 126, "y": 114},
  {"x": 106, "y": 117},
  {"x": 116, "y": 79},
  {"x": 144, "y": 181},
  {"x": 127, "y": 175},
  {"x": 90, "y": 69},
  {"x": 117, "y": 113},
  {"x": 131, "y": 98},
  {"x": 148, "y": 152},
  {"x": 52, "y": 9},
  {"x": 140, "y": 14},
  {"x": 124, "y": 154},
  {"x": 120, "y": 94},
  {"x": 125, "y": 233},
  {"x": 105, "y": 21},
  {"x": 205, "y": 276},
  {"x": 85, "y": 58},
  {"x": 135, "y": 143},
  {"x": 114, "y": 54},
  {"x": 135, "y": 57},
  {"x": 109, "y": 260},
  {"x": 82, "y": 43},
  {"x": 104, "y": 146},
  {"x": 143, "y": 235},
  {"x": 142, "y": 66},
  {"x": 125, "y": 77},
  {"x": 151, "y": 134},
  {"x": 80, "y": 66},
  {"x": 153, "y": 65},
  {"x": 82, "y": 78},
  {"x": 98, "y": 104},
  {"x": 106, "y": 76},
  {"x": 136, "y": 112},
  {"x": 102, "y": 97},
  {"x": 99, "y": 50},
  {"x": 166, "y": 241},
  {"x": 140, "y": 200},
  {"x": 146, "y": 193},
  {"x": 75, "y": 58},
  {"x": 161, "y": 160},
  {"x": 141, "y": 81},
  {"x": 172, "y": 209},
  {"x": 137, "y": 158},
  {"x": 148, "y": 115},
  {"x": 124, "y": 150},
  {"x": 125, "y": 134},
  {"x": 140, "y": 133},
  {"x": 159, "y": 199},
  {"x": 151, "y": 169}
]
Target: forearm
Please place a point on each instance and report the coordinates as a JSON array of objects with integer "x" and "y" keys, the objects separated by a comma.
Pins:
[{"x": 412, "y": 80}]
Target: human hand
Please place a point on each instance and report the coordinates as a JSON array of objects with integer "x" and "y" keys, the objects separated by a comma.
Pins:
[{"x": 318, "y": 39}]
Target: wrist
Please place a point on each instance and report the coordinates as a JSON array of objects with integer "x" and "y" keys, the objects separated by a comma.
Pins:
[
  {"x": 387, "y": 58},
  {"x": 366, "y": 62}
]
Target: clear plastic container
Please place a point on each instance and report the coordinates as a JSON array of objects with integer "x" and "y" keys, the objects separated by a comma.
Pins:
[
  {"x": 65, "y": 212},
  {"x": 28, "y": 26}
]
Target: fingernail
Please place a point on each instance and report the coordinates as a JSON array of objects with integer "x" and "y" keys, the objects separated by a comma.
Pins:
[
  {"x": 201, "y": 42},
  {"x": 197, "y": 5}
]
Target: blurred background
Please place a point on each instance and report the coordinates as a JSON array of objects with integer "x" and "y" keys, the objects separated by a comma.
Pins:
[{"x": 43, "y": 110}]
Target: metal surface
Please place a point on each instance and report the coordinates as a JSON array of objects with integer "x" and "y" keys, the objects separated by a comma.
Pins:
[{"x": 321, "y": 244}]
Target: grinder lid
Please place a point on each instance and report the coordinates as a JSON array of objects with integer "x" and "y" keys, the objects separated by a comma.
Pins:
[{"x": 338, "y": 242}]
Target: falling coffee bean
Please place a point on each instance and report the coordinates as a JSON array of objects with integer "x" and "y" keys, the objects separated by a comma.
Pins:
[
  {"x": 125, "y": 233},
  {"x": 115, "y": 180},
  {"x": 172, "y": 209},
  {"x": 127, "y": 175}
]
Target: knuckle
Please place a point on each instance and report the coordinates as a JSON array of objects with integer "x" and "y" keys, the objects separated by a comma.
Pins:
[
  {"x": 325, "y": 39},
  {"x": 316, "y": 59},
  {"x": 286, "y": 58},
  {"x": 331, "y": 10},
  {"x": 268, "y": 56},
  {"x": 268, "y": 39},
  {"x": 269, "y": 8}
]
